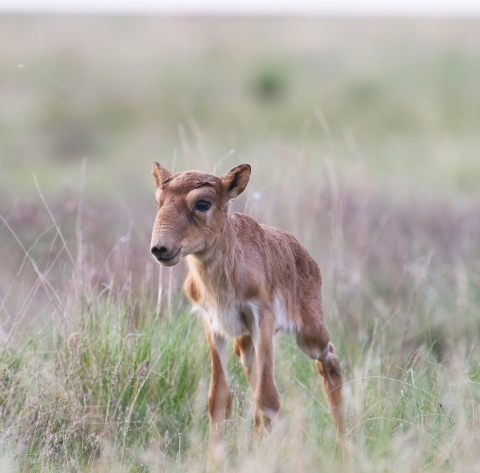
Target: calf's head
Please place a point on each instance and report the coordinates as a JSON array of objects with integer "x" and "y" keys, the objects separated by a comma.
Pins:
[{"x": 192, "y": 210}]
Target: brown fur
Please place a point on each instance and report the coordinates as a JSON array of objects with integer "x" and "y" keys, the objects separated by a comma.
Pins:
[{"x": 248, "y": 280}]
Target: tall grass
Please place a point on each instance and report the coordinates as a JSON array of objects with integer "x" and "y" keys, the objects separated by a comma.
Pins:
[
  {"x": 114, "y": 378},
  {"x": 95, "y": 375}
]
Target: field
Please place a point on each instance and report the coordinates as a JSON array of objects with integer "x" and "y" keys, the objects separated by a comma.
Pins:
[{"x": 363, "y": 136}]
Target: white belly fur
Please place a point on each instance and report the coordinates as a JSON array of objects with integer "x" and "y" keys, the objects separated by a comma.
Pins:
[
  {"x": 228, "y": 322},
  {"x": 242, "y": 319}
]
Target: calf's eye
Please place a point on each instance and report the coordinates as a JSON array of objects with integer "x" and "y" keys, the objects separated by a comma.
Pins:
[{"x": 202, "y": 205}]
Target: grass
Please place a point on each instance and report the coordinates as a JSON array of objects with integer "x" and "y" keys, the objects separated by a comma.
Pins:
[
  {"x": 353, "y": 149},
  {"x": 96, "y": 375}
]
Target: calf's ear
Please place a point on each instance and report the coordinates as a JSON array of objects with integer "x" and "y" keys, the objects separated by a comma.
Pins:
[
  {"x": 160, "y": 174},
  {"x": 235, "y": 180}
]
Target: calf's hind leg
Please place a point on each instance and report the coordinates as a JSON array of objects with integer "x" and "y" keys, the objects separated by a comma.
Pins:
[
  {"x": 244, "y": 348},
  {"x": 329, "y": 367}
]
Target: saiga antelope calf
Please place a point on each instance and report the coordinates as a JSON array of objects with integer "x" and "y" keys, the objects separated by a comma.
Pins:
[{"x": 249, "y": 281}]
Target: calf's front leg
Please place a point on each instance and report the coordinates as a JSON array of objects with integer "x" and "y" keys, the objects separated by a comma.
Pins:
[
  {"x": 267, "y": 399},
  {"x": 219, "y": 396}
]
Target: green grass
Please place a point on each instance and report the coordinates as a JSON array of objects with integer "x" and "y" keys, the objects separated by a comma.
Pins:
[
  {"x": 122, "y": 380},
  {"x": 97, "y": 375},
  {"x": 119, "y": 385}
]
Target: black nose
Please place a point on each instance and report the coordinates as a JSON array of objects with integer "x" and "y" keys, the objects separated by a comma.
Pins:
[{"x": 160, "y": 252}]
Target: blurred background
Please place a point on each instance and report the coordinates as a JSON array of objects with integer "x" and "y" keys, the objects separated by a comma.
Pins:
[{"x": 388, "y": 104}]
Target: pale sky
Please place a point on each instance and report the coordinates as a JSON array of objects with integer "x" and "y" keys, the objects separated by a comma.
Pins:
[{"x": 280, "y": 7}]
